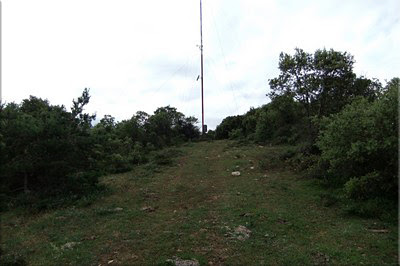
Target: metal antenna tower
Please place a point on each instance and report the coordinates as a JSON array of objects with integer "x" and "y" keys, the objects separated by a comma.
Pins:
[{"x": 203, "y": 127}]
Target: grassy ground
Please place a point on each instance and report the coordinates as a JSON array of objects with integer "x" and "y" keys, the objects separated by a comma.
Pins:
[{"x": 190, "y": 210}]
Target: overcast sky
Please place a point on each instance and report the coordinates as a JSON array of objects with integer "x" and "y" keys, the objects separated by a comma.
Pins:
[{"x": 140, "y": 55}]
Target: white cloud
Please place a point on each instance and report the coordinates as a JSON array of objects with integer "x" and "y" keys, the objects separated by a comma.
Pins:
[{"x": 140, "y": 55}]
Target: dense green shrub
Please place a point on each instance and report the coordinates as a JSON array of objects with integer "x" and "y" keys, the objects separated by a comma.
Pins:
[
  {"x": 51, "y": 154},
  {"x": 122, "y": 145},
  {"x": 236, "y": 133},
  {"x": 210, "y": 135},
  {"x": 114, "y": 152},
  {"x": 360, "y": 146},
  {"x": 227, "y": 125},
  {"x": 280, "y": 121},
  {"x": 46, "y": 149}
]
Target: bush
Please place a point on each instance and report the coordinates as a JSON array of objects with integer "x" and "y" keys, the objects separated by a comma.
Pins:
[
  {"x": 360, "y": 146},
  {"x": 236, "y": 133},
  {"x": 364, "y": 187},
  {"x": 371, "y": 208},
  {"x": 45, "y": 148},
  {"x": 227, "y": 125},
  {"x": 280, "y": 121}
]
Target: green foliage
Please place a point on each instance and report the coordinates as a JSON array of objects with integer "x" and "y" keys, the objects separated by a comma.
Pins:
[
  {"x": 343, "y": 128},
  {"x": 249, "y": 122},
  {"x": 360, "y": 146},
  {"x": 236, "y": 133},
  {"x": 227, "y": 125},
  {"x": 48, "y": 152},
  {"x": 168, "y": 126},
  {"x": 364, "y": 187},
  {"x": 210, "y": 135},
  {"x": 383, "y": 208},
  {"x": 114, "y": 151},
  {"x": 46, "y": 149},
  {"x": 323, "y": 82},
  {"x": 280, "y": 121},
  {"x": 122, "y": 145}
]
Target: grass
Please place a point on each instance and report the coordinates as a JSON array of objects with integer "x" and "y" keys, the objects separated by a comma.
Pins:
[{"x": 189, "y": 207}]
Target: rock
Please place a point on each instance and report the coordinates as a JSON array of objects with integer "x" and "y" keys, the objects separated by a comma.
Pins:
[
  {"x": 147, "y": 209},
  {"x": 379, "y": 231},
  {"x": 180, "y": 262},
  {"x": 242, "y": 232},
  {"x": 251, "y": 167},
  {"x": 70, "y": 245},
  {"x": 236, "y": 173},
  {"x": 118, "y": 209}
]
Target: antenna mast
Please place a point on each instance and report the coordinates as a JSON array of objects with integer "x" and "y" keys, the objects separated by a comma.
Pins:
[{"x": 203, "y": 128}]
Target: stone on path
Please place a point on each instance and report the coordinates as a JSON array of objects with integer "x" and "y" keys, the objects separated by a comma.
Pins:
[
  {"x": 69, "y": 245},
  {"x": 180, "y": 262},
  {"x": 147, "y": 209},
  {"x": 236, "y": 173},
  {"x": 242, "y": 232},
  {"x": 379, "y": 231}
]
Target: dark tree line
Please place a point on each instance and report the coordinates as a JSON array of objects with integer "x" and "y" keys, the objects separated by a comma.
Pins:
[{"x": 48, "y": 151}]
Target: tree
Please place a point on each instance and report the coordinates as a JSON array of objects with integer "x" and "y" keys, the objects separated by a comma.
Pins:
[
  {"x": 168, "y": 126},
  {"x": 323, "y": 82},
  {"x": 280, "y": 121},
  {"x": 46, "y": 149},
  {"x": 249, "y": 122},
  {"x": 296, "y": 78},
  {"x": 227, "y": 125}
]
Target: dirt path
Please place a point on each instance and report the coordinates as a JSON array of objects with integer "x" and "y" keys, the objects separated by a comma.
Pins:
[{"x": 196, "y": 209}]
